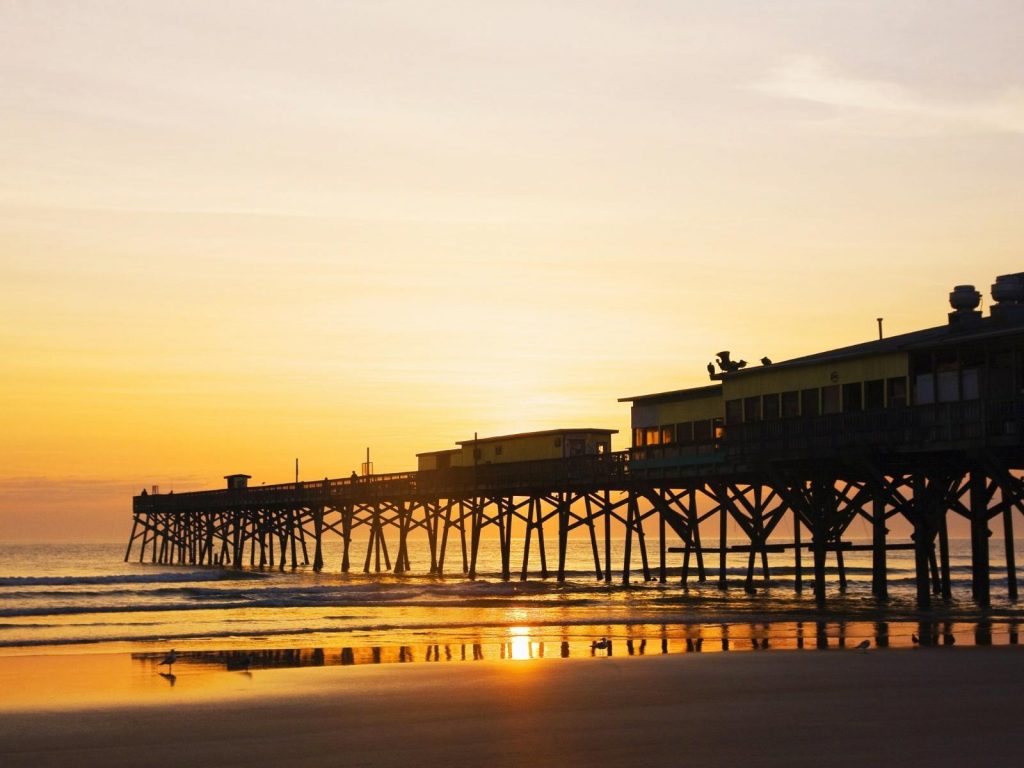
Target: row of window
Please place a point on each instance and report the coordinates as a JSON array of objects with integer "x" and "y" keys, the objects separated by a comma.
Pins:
[
  {"x": 834, "y": 398},
  {"x": 702, "y": 432}
]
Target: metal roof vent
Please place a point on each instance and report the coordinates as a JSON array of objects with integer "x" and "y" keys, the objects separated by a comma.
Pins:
[
  {"x": 1008, "y": 295},
  {"x": 964, "y": 299},
  {"x": 1009, "y": 289}
]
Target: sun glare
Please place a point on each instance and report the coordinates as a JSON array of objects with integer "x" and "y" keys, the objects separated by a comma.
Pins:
[{"x": 520, "y": 645}]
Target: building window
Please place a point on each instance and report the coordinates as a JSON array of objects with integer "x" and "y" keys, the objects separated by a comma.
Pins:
[
  {"x": 924, "y": 389},
  {"x": 733, "y": 411},
  {"x": 790, "y": 404},
  {"x": 874, "y": 395},
  {"x": 684, "y": 432},
  {"x": 752, "y": 409},
  {"x": 852, "y": 398},
  {"x": 668, "y": 434},
  {"x": 653, "y": 436},
  {"x": 830, "y": 399},
  {"x": 702, "y": 431},
  {"x": 809, "y": 403},
  {"x": 896, "y": 392},
  {"x": 638, "y": 438},
  {"x": 770, "y": 404},
  {"x": 947, "y": 386},
  {"x": 970, "y": 385}
]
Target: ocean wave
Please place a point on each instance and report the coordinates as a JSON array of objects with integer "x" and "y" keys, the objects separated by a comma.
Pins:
[{"x": 144, "y": 578}]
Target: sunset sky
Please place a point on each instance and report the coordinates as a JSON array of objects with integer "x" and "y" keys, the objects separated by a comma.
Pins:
[{"x": 237, "y": 233}]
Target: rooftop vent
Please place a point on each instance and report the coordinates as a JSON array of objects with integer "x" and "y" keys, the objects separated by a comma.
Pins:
[
  {"x": 964, "y": 299},
  {"x": 1009, "y": 289},
  {"x": 1008, "y": 295}
]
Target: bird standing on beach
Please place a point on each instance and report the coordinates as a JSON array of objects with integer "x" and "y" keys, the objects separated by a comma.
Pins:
[
  {"x": 600, "y": 645},
  {"x": 169, "y": 660},
  {"x": 863, "y": 645}
]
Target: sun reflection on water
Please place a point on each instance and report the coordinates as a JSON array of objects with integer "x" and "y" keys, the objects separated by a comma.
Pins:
[{"x": 520, "y": 645}]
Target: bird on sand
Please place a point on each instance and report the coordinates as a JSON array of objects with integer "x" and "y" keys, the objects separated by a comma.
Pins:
[
  {"x": 914, "y": 639},
  {"x": 169, "y": 660},
  {"x": 600, "y": 645},
  {"x": 863, "y": 645}
]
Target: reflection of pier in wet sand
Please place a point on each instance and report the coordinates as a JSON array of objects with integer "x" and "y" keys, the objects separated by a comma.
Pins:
[{"x": 522, "y": 643}]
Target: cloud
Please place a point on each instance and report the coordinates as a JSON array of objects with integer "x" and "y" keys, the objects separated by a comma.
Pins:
[{"x": 880, "y": 106}]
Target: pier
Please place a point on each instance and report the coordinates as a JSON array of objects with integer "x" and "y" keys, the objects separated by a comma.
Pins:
[{"x": 916, "y": 427}]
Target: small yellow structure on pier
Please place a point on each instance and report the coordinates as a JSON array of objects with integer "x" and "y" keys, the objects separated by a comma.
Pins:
[{"x": 524, "y": 446}]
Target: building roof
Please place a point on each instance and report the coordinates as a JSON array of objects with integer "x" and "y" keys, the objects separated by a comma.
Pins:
[
  {"x": 542, "y": 433},
  {"x": 980, "y": 328},
  {"x": 438, "y": 453},
  {"x": 676, "y": 395},
  {"x": 228, "y": 477},
  {"x": 972, "y": 329}
]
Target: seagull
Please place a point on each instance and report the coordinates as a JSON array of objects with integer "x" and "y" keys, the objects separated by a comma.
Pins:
[
  {"x": 863, "y": 645},
  {"x": 169, "y": 660}
]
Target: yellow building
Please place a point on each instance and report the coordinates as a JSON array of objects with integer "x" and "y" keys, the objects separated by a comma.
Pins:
[
  {"x": 524, "y": 446},
  {"x": 937, "y": 378},
  {"x": 451, "y": 457}
]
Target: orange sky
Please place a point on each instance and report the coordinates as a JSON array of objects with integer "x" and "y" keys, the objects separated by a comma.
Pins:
[{"x": 234, "y": 234}]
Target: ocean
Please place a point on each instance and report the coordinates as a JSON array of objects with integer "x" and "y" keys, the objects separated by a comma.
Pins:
[{"x": 82, "y": 598}]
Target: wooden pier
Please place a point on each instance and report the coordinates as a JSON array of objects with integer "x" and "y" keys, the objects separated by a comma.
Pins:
[{"x": 917, "y": 427}]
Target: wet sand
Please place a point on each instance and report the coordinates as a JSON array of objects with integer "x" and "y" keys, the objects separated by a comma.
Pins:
[{"x": 926, "y": 706}]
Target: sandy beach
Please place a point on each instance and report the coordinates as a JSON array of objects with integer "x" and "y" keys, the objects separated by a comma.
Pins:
[{"x": 935, "y": 706}]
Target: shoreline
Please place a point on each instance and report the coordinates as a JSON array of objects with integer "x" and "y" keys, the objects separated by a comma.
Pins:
[{"x": 833, "y": 709}]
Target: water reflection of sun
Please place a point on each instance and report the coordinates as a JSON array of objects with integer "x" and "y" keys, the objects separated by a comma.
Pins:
[{"x": 519, "y": 643}]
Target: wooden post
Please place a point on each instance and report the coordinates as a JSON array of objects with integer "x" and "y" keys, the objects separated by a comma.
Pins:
[
  {"x": 593, "y": 536},
  {"x": 798, "y": 566},
  {"x": 879, "y": 553},
  {"x": 1011, "y": 560},
  {"x": 318, "y": 531},
  {"x": 702, "y": 575},
  {"x": 723, "y": 524},
  {"x": 979, "y": 538},
  {"x": 563, "y": 533},
  {"x": 526, "y": 539},
  {"x": 607, "y": 537},
  {"x": 346, "y": 536},
  {"x": 477, "y": 522},
  {"x": 661, "y": 549},
  {"x": 628, "y": 550},
  {"x": 946, "y": 585}
]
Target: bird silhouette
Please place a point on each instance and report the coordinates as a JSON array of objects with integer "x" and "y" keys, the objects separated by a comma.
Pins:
[
  {"x": 602, "y": 644},
  {"x": 863, "y": 645},
  {"x": 169, "y": 660},
  {"x": 765, "y": 361},
  {"x": 914, "y": 639}
]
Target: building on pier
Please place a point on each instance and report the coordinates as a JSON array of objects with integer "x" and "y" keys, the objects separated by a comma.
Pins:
[
  {"x": 523, "y": 446},
  {"x": 917, "y": 427},
  {"x": 938, "y": 387}
]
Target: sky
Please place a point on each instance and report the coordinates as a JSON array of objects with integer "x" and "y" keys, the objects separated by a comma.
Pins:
[{"x": 235, "y": 234}]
